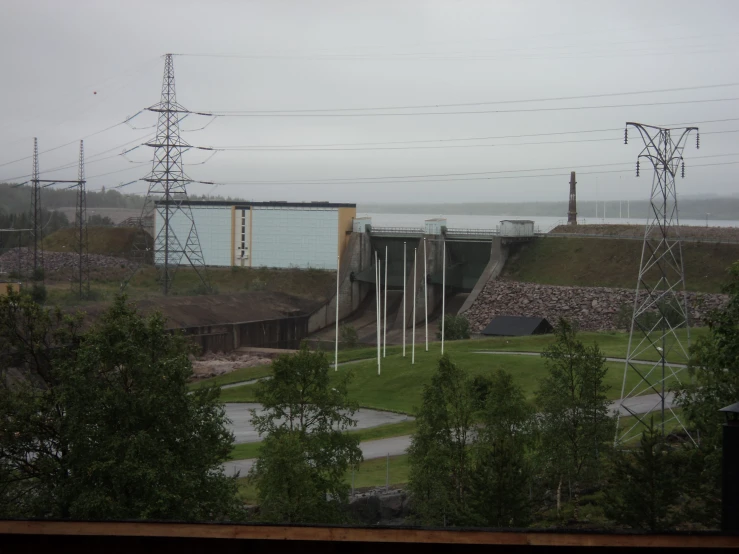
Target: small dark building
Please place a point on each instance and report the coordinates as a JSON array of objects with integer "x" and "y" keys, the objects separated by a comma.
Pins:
[{"x": 517, "y": 326}]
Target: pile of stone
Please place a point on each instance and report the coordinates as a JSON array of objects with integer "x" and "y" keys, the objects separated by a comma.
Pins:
[
  {"x": 20, "y": 260},
  {"x": 593, "y": 308},
  {"x": 213, "y": 365}
]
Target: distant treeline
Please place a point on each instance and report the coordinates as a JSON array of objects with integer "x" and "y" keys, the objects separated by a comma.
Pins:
[
  {"x": 17, "y": 200},
  {"x": 689, "y": 208},
  {"x": 51, "y": 221}
]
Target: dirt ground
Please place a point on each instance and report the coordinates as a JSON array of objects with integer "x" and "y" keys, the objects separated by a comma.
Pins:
[
  {"x": 190, "y": 311},
  {"x": 213, "y": 365}
]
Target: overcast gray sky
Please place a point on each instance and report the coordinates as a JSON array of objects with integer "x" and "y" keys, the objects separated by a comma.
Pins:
[{"x": 70, "y": 69}]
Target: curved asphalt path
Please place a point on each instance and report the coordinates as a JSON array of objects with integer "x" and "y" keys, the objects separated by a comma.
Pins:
[{"x": 395, "y": 446}]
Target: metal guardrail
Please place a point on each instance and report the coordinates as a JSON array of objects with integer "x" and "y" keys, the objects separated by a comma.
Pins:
[
  {"x": 396, "y": 230},
  {"x": 473, "y": 232}
]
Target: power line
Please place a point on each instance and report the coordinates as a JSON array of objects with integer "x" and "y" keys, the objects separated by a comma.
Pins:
[
  {"x": 494, "y": 178},
  {"x": 518, "y": 110},
  {"x": 448, "y": 176},
  {"x": 310, "y": 149},
  {"x": 70, "y": 165},
  {"x": 497, "y": 102},
  {"x": 350, "y": 146},
  {"x": 76, "y": 141}
]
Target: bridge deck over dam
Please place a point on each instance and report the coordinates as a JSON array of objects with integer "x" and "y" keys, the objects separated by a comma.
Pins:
[{"x": 451, "y": 233}]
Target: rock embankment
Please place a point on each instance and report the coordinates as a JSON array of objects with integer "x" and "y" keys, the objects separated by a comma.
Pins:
[
  {"x": 594, "y": 308},
  {"x": 20, "y": 260}
]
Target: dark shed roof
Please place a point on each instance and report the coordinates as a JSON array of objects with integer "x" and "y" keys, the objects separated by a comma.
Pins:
[{"x": 516, "y": 326}]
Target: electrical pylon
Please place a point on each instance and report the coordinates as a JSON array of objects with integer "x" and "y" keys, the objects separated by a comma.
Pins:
[
  {"x": 37, "y": 233},
  {"x": 166, "y": 199},
  {"x": 83, "y": 269},
  {"x": 657, "y": 352}
]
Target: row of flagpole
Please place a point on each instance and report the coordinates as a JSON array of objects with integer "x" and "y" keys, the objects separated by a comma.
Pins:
[{"x": 381, "y": 311}]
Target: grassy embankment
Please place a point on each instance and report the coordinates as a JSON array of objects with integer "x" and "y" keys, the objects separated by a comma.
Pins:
[
  {"x": 119, "y": 241},
  {"x": 593, "y": 262},
  {"x": 105, "y": 284}
]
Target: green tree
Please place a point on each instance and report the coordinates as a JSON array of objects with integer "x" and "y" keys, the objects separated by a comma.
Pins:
[
  {"x": 502, "y": 475},
  {"x": 101, "y": 425},
  {"x": 714, "y": 368},
  {"x": 575, "y": 421},
  {"x": 440, "y": 458},
  {"x": 305, "y": 454},
  {"x": 456, "y": 327},
  {"x": 644, "y": 484},
  {"x": 349, "y": 336}
]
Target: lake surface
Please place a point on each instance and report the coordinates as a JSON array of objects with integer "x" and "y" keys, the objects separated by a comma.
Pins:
[{"x": 542, "y": 223}]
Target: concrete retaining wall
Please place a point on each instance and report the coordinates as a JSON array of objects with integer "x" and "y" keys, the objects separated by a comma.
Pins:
[
  {"x": 286, "y": 332},
  {"x": 351, "y": 294},
  {"x": 498, "y": 257}
]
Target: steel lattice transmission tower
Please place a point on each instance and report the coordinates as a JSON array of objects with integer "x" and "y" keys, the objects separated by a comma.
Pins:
[
  {"x": 174, "y": 231},
  {"x": 660, "y": 303},
  {"x": 83, "y": 273},
  {"x": 37, "y": 233}
]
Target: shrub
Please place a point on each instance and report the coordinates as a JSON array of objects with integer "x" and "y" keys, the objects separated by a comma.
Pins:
[
  {"x": 456, "y": 327},
  {"x": 257, "y": 284},
  {"x": 38, "y": 293},
  {"x": 647, "y": 320},
  {"x": 349, "y": 336},
  {"x": 201, "y": 289},
  {"x": 38, "y": 274}
]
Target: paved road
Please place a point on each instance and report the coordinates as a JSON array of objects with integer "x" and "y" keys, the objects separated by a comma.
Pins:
[
  {"x": 243, "y": 430},
  {"x": 396, "y": 446}
]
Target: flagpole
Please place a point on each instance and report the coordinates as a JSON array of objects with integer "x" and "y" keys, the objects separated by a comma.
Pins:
[
  {"x": 384, "y": 333},
  {"x": 413, "y": 334},
  {"x": 425, "y": 296},
  {"x": 443, "y": 294},
  {"x": 377, "y": 308},
  {"x": 336, "y": 349},
  {"x": 404, "y": 280}
]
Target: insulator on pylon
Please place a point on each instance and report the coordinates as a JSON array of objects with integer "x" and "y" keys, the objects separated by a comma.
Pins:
[
  {"x": 683, "y": 171},
  {"x": 637, "y": 168},
  {"x": 697, "y": 141},
  {"x": 626, "y": 135}
]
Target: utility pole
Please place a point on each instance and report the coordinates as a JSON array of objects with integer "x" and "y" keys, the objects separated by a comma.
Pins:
[
  {"x": 660, "y": 286},
  {"x": 83, "y": 276},
  {"x": 37, "y": 233},
  {"x": 166, "y": 199}
]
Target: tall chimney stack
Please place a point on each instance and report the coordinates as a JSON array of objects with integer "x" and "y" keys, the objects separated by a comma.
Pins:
[{"x": 572, "y": 212}]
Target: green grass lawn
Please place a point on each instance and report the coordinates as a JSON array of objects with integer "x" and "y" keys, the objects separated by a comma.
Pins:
[
  {"x": 371, "y": 473},
  {"x": 243, "y": 374},
  {"x": 614, "y": 344},
  {"x": 400, "y": 385},
  {"x": 251, "y": 450}
]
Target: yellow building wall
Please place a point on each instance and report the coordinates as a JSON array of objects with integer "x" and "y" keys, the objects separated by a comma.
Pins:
[
  {"x": 233, "y": 236},
  {"x": 346, "y": 215},
  {"x": 15, "y": 287}
]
